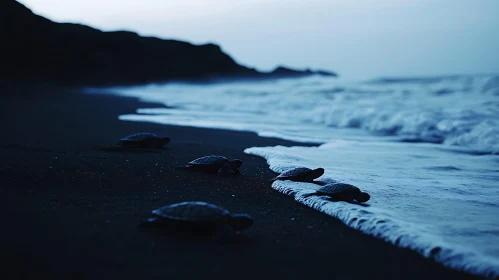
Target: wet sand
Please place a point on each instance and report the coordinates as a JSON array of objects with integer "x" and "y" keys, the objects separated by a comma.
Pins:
[{"x": 70, "y": 211}]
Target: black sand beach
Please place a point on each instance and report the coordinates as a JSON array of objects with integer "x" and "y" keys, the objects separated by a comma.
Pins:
[{"x": 71, "y": 212}]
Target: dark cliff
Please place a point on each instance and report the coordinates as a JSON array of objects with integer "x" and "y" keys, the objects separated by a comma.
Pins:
[{"x": 37, "y": 49}]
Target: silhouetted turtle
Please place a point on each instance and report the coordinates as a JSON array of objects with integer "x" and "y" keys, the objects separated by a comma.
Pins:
[
  {"x": 143, "y": 140},
  {"x": 300, "y": 174},
  {"x": 214, "y": 164},
  {"x": 342, "y": 192},
  {"x": 198, "y": 215}
]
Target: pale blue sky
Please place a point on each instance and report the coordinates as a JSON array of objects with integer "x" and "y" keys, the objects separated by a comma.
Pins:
[{"x": 357, "y": 38}]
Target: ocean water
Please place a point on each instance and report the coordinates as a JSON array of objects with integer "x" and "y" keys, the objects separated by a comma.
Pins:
[{"x": 425, "y": 149}]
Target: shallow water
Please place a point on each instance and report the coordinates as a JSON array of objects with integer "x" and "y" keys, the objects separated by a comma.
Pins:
[{"x": 425, "y": 149}]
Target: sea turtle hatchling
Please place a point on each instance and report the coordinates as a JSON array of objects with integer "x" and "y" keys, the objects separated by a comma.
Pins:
[
  {"x": 143, "y": 140},
  {"x": 342, "y": 192},
  {"x": 214, "y": 164},
  {"x": 198, "y": 215},
  {"x": 300, "y": 174}
]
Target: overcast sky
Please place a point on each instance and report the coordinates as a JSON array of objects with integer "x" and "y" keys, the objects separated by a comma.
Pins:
[{"x": 357, "y": 38}]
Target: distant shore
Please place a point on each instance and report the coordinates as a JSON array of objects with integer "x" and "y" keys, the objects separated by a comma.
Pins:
[{"x": 71, "y": 211}]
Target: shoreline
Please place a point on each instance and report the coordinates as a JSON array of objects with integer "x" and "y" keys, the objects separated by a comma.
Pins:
[{"x": 72, "y": 211}]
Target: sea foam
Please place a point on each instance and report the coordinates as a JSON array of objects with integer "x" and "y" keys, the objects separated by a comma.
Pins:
[{"x": 418, "y": 201}]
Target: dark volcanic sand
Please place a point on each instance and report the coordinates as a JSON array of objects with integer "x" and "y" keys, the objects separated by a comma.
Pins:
[{"x": 71, "y": 212}]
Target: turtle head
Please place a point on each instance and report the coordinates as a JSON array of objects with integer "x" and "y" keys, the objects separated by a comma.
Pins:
[
  {"x": 235, "y": 163},
  {"x": 240, "y": 221},
  {"x": 165, "y": 140},
  {"x": 315, "y": 173},
  {"x": 362, "y": 197}
]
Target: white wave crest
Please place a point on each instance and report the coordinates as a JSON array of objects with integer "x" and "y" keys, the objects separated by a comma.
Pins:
[{"x": 461, "y": 110}]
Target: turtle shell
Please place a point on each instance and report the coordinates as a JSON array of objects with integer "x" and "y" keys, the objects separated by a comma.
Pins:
[
  {"x": 193, "y": 211},
  {"x": 209, "y": 160},
  {"x": 295, "y": 173},
  {"x": 340, "y": 191},
  {"x": 139, "y": 137}
]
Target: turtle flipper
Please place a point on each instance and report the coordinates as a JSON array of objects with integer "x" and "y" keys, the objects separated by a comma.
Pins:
[{"x": 226, "y": 168}]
